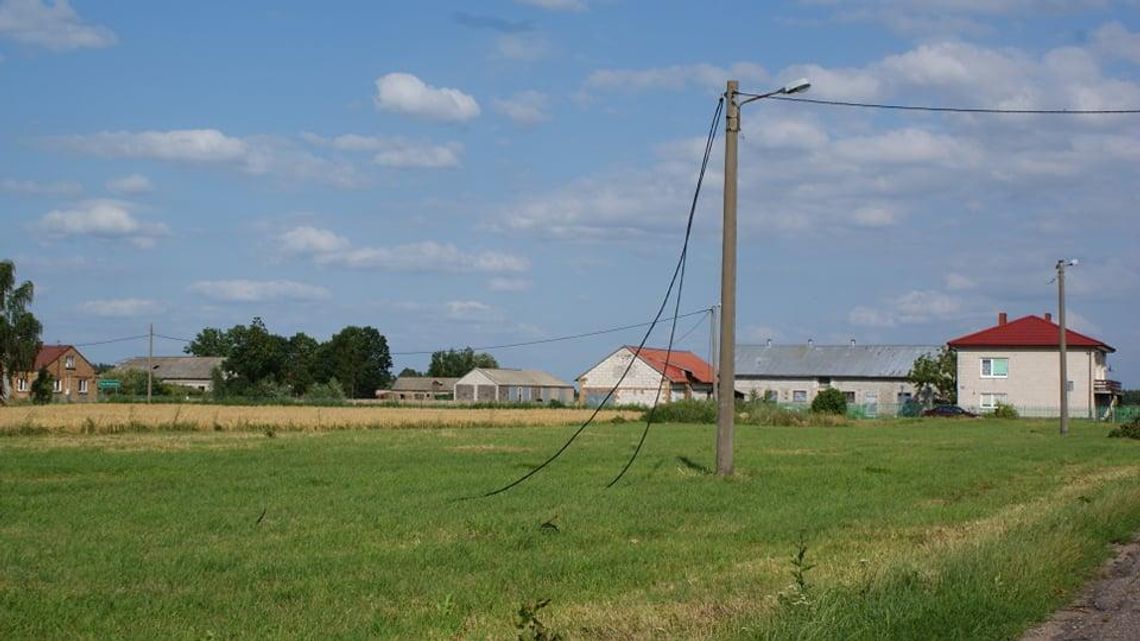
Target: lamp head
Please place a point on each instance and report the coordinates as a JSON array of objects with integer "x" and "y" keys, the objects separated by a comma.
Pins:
[{"x": 796, "y": 86}]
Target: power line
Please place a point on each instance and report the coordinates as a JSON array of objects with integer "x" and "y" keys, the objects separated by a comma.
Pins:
[
  {"x": 556, "y": 339},
  {"x": 111, "y": 340},
  {"x": 966, "y": 110},
  {"x": 174, "y": 338}
]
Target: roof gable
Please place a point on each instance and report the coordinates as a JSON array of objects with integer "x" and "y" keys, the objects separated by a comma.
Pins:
[
  {"x": 49, "y": 354},
  {"x": 684, "y": 366},
  {"x": 1027, "y": 331}
]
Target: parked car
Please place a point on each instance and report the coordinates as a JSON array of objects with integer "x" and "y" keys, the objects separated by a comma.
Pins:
[{"x": 949, "y": 411}]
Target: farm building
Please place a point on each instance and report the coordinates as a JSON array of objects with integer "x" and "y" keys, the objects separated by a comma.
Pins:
[
  {"x": 419, "y": 388},
  {"x": 73, "y": 375},
  {"x": 188, "y": 371},
  {"x": 872, "y": 376},
  {"x": 486, "y": 385},
  {"x": 1018, "y": 363},
  {"x": 687, "y": 376}
]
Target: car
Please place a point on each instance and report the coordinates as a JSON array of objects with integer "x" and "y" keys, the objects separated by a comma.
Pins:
[{"x": 949, "y": 411}]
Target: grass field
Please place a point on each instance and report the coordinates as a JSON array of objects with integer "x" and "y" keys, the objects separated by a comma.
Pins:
[
  {"x": 99, "y": 418},
  {"x": 916, "y": 530}
]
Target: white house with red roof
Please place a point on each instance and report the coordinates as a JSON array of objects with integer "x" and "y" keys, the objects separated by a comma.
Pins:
[
  {"x": 1018, "y": 363},
  {"x": 652, "y": 373}
]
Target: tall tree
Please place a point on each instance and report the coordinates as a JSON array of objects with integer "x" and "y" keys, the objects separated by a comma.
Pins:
[
  {"x": 358, "y": 358},
  {"x": 19, "y": 329},
  {"x": 301, "y": 361},
  {"x": 211, "y": 342},
  {"x": 456, "y": 363},
  {"x": 257, "y": 355},
  {"x": 936, "y": 377}
]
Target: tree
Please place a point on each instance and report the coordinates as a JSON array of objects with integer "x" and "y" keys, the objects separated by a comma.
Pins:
[
  {"x": 301, "y": 362},
  {"x": 256, "y": 355},
  {"x": 19, "y": 329},
  {"x": 456, "y": 363},
  {"x": 407, "y": 371},
  {"x": 43, "y": 387},
  {"x": 211, "y": 342},
  {"x": 935, "y": 378},
  {"x": 829, "y": 401},
  {"x": 358, "y": 357}
]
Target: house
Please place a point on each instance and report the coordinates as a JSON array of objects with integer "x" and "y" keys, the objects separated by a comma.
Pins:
[
  {"x": 1018, "y": 363},
  {"x": 419, "y": 388},
  {"x": 73, "y": 375},
  {"x": 871, "y": 376},
  {"x": 187, "y": 371},
  {"x": 687, "y": 376},
  {"x": 486, "y": 385}
]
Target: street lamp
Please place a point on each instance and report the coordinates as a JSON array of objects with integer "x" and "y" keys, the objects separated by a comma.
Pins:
[
  {"x": 1061, "y": 265},
  {"x": 726, "y": 375}
]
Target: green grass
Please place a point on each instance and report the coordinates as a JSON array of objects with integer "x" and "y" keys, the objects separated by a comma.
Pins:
[{"x": 917, "y": 529}]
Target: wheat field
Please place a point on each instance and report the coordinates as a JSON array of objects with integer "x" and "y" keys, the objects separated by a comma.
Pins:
[{"x": 99, "y": 418}]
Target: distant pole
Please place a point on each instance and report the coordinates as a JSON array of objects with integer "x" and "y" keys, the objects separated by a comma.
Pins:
[
  {"x": 1064, "y": 347},
  {"x": 726, "y": 399},
  {"x": 149, "y": 366}
]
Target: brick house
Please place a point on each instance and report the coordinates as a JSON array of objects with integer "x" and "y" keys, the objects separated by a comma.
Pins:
[
  {"x": 74, "y": 375},
  {"x": 1018, "y": 363},
  {"x": 687, "y": 376}
]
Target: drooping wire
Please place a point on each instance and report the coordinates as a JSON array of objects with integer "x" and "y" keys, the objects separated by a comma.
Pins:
[
  {"x": 640, "y": 346},
  {"x": 964, "y": 110},
  {"x": 677, "y": 304},
  {"x": 111, "y": 340}
]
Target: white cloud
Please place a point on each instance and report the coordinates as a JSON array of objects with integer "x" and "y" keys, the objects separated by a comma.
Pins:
[
  {"x": 327, "y": 248},
  {"x": 406, "y": 94},
  {"x": 1114, "y": 39},
  {"x": 132, "y": 184},
  {"x": 525, "y": 46},
  {"x": 556, "y": 5},
  {"x": 121, "y": 307},
  {"x": 256, "y": 155},
  {"x": 54, "y": 26},
  {"x": 101, "y": 218},
  {"x": 254, "y": 291},
  {"x": 959, "y": 282},
  {"x": 872, "y": 216},
  {"x": 37, "y": 188},
  {"x": 675, "y": 77},
  {"x": 398, "y": 153},
  {"x": 524, "y": 108},
  {"x": 509, "y": 284},
  {"x": 467, "y": 309},
  {"x": 913, "y": 307}
]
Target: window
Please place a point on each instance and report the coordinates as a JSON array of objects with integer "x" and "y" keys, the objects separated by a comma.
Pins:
[
  {"x": 83, "y": 386},
  {"x": 57, "y": 386},
  {"x": 904, "y": 398},
  {"x": 991, "y": 401},
  {"x": 824, "y": 380},
  {"x": 21, "y": 384},
  {"x": 799, "y": 396},
  {"x": 69, "y": 361},
  {"x": 995, "y": 367},
  {"x": 849, "y": 397}
]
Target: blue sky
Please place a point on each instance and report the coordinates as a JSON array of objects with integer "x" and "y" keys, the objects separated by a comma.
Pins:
[{"x": 458, "y": 173}]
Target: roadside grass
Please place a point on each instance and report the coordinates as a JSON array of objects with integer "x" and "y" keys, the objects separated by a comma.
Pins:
[{"x": 916, "y": 529}]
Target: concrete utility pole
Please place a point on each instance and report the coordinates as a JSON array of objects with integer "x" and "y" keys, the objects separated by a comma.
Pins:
[
  {"x": 726, "y": 375},
  {"x": 1061, "y": 264},
  {"x": 712, "y": 346},
  {"x": 149, "y": 366}
]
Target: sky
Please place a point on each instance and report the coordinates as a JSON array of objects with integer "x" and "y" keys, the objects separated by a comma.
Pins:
[{"x": 460, "y": 173}]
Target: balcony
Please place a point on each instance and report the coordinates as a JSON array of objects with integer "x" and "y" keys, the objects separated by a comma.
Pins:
[{"x": 1104, "y": 386}]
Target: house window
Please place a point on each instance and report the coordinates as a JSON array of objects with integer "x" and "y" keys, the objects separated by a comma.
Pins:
[
  {"x": 824, "y": 380},
  {"x": 849, "y": 397},
  {"x": 799, "y": 396},
  {"x": 995, "y": 368},
  {"x": 57, "y": 386},
  {"x": 21, "y": 384},
  {"x": 991, "y": 401},
  {"x": 69, "y": 361},
  {"x": 904, "y": 397},
  {"x": 83, "y": 386}
]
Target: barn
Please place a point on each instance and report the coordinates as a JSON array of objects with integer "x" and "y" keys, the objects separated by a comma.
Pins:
[
  {"x": 486, "y": 385},
  {"x": 686, "y": 376}
]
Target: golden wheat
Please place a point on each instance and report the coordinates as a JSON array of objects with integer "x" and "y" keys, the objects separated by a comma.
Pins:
[{"x": 97, "y": 418}]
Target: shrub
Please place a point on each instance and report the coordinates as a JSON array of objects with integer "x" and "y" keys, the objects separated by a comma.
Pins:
[
  {"x": 684, "y": 411},
  {"x": 1004, "y": 410},
  {"x": 829, "y": 401},
  {"x": 1128, "y": 430},
  {"x": 330, "y": 392},
  {"x": 42, "y": 387},
  {"x": 910, "y": 409}
]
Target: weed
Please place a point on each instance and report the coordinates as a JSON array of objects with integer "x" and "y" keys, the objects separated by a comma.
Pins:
[
  {"x": 530, "y": 627},
  {"x": 1128, "y": 430},
  {"x": 797, "y": 597}
]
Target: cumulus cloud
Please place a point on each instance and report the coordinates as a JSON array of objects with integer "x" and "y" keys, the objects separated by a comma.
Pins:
[
  {"x": 466, "y": 309},
  {"x": 525, "y": 47},
  {"x": 674, "y": 77},
  {"x": 132, "y": 184},
  {"x": 38, "y": 188},
  {"x": 405, "y": 94},
  {"x": 913, "y": 307},
  {"x": 103, "y": 218},
  {"x": 524, "y": 108},
  {"x": 1114, "y": 39},
  {"x": 324, "y": 247},
  {"x": 499, "y": 284},
  {"x": 256, "y": 155},
  {"x": 121, "y": 307},
  {"x": 399, "y": 153},
  {"x": 56, "y": 26},
  {"x": 258, "y": 291}
]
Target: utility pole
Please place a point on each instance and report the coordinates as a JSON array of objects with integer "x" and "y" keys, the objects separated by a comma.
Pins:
[
  {"x": 712, "y": 346},
  {"x": 1061, "y": 264},
  {"x": 726, "y": 376},
  {"x": 149, "y": 365}
]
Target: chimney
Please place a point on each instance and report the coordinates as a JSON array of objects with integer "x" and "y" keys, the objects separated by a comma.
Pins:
[
  {"x": 810, "y": 342},
  {"x": 1002, "y": 318},
  {"x": 1048, "y": 317},
  {"x": 852, "y": 342},
  {"x": 768, "y": 343}
]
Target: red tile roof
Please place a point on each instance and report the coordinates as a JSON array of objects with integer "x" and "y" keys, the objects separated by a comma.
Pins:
[
  {"x": 1028, "y": 331},
  {"x": 49, "y": 354},
  {"x": 684, "y": 367}
]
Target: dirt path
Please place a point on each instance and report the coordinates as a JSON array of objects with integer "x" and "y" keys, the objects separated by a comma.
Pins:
[{"x": 1108, "y": 609}]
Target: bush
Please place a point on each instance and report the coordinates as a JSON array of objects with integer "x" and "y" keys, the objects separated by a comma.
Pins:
[
  {"x": 330, "y": 392},
  {"x": 1128, "y": 430},
  {"x": 910, "y": 409},
  {"x": 829, "y": 401},
  {"x": 42, "y": 387},
  {"x": 1005, "y": 411},
  {"x": 684, "y": 411}
]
